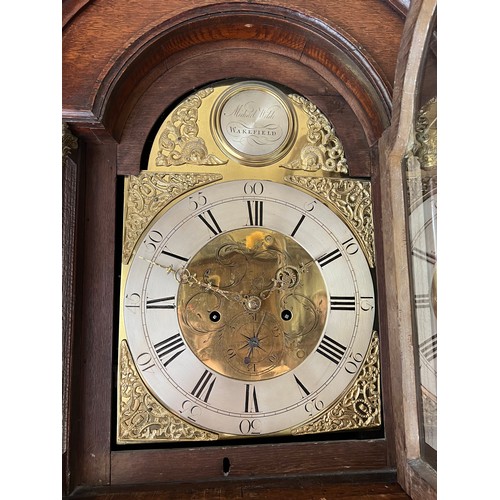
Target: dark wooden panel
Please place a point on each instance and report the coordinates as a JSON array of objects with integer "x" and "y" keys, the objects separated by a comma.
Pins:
[
  {"x": 92, "y": 383},
  {"x": 290, "y": 489},
  {"x": 329, "y": 55},
  {"x": 94, "y": 40},
  {"x": 201, "y": 464}
]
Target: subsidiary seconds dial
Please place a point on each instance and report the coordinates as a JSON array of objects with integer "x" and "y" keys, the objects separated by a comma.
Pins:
[{"x": 248, "y": 307}]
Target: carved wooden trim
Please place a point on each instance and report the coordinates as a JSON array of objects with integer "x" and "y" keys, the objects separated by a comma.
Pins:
[{"x": 302, "y": 37}]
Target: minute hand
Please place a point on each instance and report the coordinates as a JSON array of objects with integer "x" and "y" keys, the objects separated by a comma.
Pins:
[{"x": 185, "y": 277}]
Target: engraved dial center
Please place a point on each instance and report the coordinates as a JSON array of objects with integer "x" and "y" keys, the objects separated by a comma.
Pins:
[{"x": 269, "y": 298}]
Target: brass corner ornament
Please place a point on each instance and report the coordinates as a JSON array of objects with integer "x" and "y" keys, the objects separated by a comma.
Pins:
[
  {"x": 421, "y": 161},
  {"x": 141, "y": 417},
  {"x": 323, "y": 150},
  {"x": 425, "y": 148},
  {"x": 359, "y": 407},
  {"x": 69, "y": 141},
  {"x": 179, "y": 143},
  {"x": 352, "y": 198},
  {"x": 148, "y": 193}
]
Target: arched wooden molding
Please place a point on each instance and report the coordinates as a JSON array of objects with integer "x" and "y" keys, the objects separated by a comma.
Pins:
[{"x": 99, "y": 105}]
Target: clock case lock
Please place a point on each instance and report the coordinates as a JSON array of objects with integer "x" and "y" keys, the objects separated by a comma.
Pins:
[{"x": 193, "y": 149}]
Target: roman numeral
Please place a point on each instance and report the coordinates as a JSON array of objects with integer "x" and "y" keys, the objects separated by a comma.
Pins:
[
  {"x": 251, "y": 405},
  {"x": 331, "y": 349},
  {"x": 429, "y": 347},
  {"x": 204, "y": 386},
  {"x": 255, "y": 213},
  {"x": 301, "y": 220},
  {"x": 302, "y": 387},
  {"x": 342, "y": 303},
  {"x": 422, "y": 301},
  {"x": 326, "y": 259},
  {"x": 174, "y": 255},
  {"x": 170, "y": 348},
  {"x": 213, "y": 226},
  {"x": 162, "y": 303},
  {"x": 429, "y": 257}
]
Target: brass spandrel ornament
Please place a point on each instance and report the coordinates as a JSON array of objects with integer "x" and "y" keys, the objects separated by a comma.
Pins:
[
  {"x": 425, "y": 147},
  {"x": 321, "y": 148},
  {"x": 148, "y": 193},
  {"x": 179, "y": 142},
  {"x": 352, "y": 198},
  {"x": 360, "y": 407},
  {"x": 69, "y": 141},
  {"x": 421, "y": 160},
  {"x": 247, "y": 298},
  {"x": 142, "y": 418}
]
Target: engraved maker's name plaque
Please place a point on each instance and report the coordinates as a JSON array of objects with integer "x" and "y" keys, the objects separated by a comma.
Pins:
[{"x": 254, "y": 124}]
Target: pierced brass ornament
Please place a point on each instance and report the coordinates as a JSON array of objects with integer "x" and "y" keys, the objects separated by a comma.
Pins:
[
  {"x": 148, "y": 193},
  {"x": 142, "y": 418},
  {"x": 360, "y": 406},
  {"x": 179, "y": 143},
  {"x": 69, "y": 141},
  {"x": 323, "y": 149},
  {"x": 352, "y": 198}
]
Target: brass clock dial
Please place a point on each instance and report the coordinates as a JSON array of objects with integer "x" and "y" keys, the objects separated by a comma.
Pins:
[
  {"x": 247, "y": 300},
  {"x": 273, "y": 327}
]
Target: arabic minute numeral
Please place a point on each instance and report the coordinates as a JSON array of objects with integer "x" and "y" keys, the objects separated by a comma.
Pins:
[
  {"x": 145, "y": 361},
  {"x": 190, "y": 410},
  {"x": 353, "y": 363},
  {"x": 250, "y": 426},
  {"x": 256, "y": 188},
  {"x": 152, "y": 241},
  {"x": 314, "y": 406},
  {"x": 197, "y": 201},
  {"x": 350, "y": 245}
]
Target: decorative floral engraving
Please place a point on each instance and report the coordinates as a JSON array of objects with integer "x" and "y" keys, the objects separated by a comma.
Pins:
[
  {"x": 179, "y": 143},
  {"x": 352, "y": 198},
  {"x": 324, "y": 150},
  {"x": 360, "y": 405},
  {"x": 148, "y": 193},
  {"x": 425, "y": 147},
  {"x": 141, "y": 417},
  {"x": 69, "y": 141},
  {"x": 421, "y": 161}
]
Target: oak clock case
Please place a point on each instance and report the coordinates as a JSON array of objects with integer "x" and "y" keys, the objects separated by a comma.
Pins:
[
  {"x": 247, "y": 298},
  {"x": 422, "y": 191}
]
